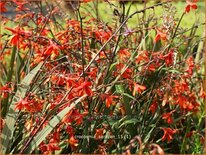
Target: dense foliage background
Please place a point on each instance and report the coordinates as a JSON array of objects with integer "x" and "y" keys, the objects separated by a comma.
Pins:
[{"x": 102, "y": 77}]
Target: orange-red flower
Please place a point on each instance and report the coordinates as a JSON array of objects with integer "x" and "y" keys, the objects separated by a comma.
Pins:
[
  {"x": 108, "y": 99},
  {"x": 52, "y": 50},
  {"x": 153, "y": 107},
  {"x": 50, "y": 147},
  {"x": 15, "y": 37},
  {"x": 189, "y": 134},
  {"x": 29, "y": 105},
  {"x": 143, "y": 56},
  {"x": 160, "y": 35},
  {"x": 17, "y": 33},
  {"x": 124, "y": 54},
  {"x": 99, "y": 133},
  {"x": 20, "y": 5},
  {"x": 85, "y": 87},
  {"x": 102, "y": 35},
  {"x": 168, "y": 134},
  {"x": 5, "y": 90},
  {"x": 190, "y": 65},
  {"x": 169, "y": 57},
  {"x": 69, "y": 130},
  {"x": 191, "y": 4},
  {"x": 138, "y": 88},
  {"x": 2, "y": 7},
  {"x": 74, "y": 116},
  {"x": 23, "y": 103},
  {"x": 73, "y": 142},
  {"x": 126, "y": 74},
  {"x": 168, "y": 117}
]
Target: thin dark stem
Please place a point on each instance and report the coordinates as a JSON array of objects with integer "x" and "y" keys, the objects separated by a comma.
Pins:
[
  {"x": 44, "y": 120},
  {"x": 119, "y": 28},
  {"x": 117, "y": 43},
  {"x": 82, "y": 43},
  {"x": 84, "y": 70},
  {"x": 178, "y": 25}
]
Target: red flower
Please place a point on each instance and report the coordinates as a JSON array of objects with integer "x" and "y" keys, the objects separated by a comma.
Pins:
[
  {"x": 153, "y": 107},
  {"x": 168, "y": 134},
  {"x": 190, "y": 65},
  {"x": 2, "y": 7},
  {"x": 181, "y": 86},
  {"x": 152, "y": 67},
  {"x": 124, "y": 54},
  {"x": 169, "y": 58},
  {"x": 53, "y": 146},
  {"x": 20, "y": 5},
  {"x": 92, "y": 72},
  {"x": 85, "y": 87},
  {"x": 17, "y": 33},
  {"x": 29, "y": 105},
  {"x": 191, "y": 4},
  {"x": 70, "y": 130},
  {"x": 99, "y": 133},
  {"x": 143, "y": 56},
  {"x": 74, "y": 116},
  {"x": 168, "y": 117},
  {"x": 189, "y": 134},
  {"x": 138, "y": 88},
  {"x": 102, "y": 35},
  {"x": 160, "y": 36},
  {"x": 15, "y": 37},
  {"x": 52, "y": 50},
  {"x": 73, "y": 142},
  {"x": 58, "y": 79},
  {"x": 23, "y": 103},
  {"x": 109, "y": 99},
  {"x": 126, "y": 74},
  {"x": 182, "y": 101},
  {"x": 5, "y": 90},
  {"x": 48, "y": 148}
]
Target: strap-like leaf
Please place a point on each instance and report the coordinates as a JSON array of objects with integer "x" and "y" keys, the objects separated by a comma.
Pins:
[
  {"x": 11, "y": 116},
  {"x": 50, "y": 126}
]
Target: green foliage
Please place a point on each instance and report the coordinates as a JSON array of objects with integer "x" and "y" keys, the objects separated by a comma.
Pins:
[{"x": 12, "y": 114}]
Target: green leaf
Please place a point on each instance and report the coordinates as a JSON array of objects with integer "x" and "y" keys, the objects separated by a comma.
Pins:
[
  {"x": 112, "y": 67},
  {"x": 19, "y": 64},
  {"x": 126, "y": 103},
  {"x": 130, "y": 96},
  {"x": 119, "y": 89},
  {"x": 9, "y": 78},
  {"x": 8, "y": 130},
  {"x": 129, "y": 121},
  {"x": 50, "y": 126},
  {"x": 172, "y": 70},
  {"x": 11, "y": 67}
]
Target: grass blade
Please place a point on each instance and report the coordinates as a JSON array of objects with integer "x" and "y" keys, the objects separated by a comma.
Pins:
[
  {"x": 50, "y": 126},
  {"x": 9, "y": 78},
  {"x": 8, "y": 129}
]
